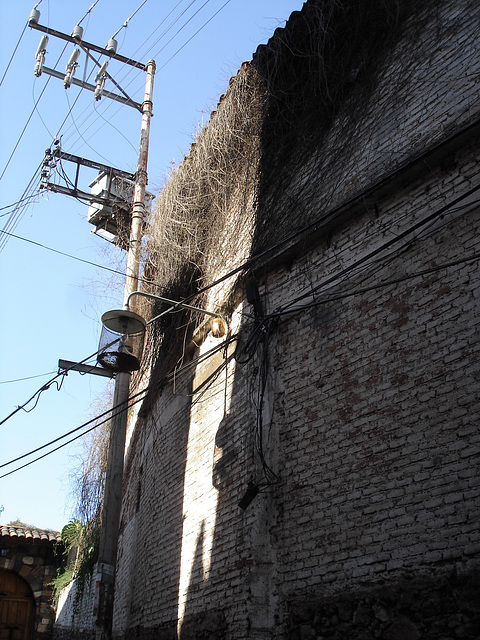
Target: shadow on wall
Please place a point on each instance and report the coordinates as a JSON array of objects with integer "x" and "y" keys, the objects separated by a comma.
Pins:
[
  {"x": 209, "y": 624},
  {"x": 232, "y": 570}
]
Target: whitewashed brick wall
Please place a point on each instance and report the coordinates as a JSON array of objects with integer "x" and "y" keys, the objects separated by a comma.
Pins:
[{"x": 370, "y": 408}]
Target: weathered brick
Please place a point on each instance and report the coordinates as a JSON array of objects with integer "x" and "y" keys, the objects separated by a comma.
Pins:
[{"x": 370, "y": 408}]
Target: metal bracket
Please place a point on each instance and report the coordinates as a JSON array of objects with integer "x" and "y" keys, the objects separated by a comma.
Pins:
[{"x": 67, "y": 365}]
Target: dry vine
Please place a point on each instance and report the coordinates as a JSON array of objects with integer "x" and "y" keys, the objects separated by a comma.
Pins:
[{"x": 204, "y": 216}]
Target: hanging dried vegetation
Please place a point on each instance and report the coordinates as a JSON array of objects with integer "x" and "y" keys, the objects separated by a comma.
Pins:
[
  {"x": 222, "y": 201},
  {"x": 204, "y": 218}
]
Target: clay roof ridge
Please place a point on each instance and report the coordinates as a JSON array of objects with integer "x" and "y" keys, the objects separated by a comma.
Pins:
[{"x": 30, "y": 533}]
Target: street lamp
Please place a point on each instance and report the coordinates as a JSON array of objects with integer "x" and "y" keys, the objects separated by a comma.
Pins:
[{"x": 123, "y": 332}]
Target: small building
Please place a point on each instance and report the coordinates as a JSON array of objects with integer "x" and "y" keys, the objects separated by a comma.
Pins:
[{"x": 29, "y": 559}]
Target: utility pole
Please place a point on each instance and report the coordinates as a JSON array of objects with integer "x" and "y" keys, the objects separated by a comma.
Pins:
[{"x": 112, "y": 501}]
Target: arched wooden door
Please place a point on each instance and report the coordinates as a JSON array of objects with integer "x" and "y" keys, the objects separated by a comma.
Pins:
[{"x": 17, "y": 607}]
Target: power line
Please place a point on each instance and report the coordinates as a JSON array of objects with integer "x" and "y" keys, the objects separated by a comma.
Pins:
[
  {"x": 141, "y": 395},
  {"x": 373, "y": 287},
  {"x": 172, "y": 24},
  {"x": 13, "y": 54},
  {"x": 110, "y": 105},
  {"x": 193, "y": 36},
  {"x": 107, "y": 160},
  {"x": 113, "y": 127},
  {"x": 89, "y": 11},
  {"x": 65, "y": 435},
  {"x": 125, "y": 24},
  {"x": 63, "y": 253},
  {"x": 36, "y": 396},
  {"x": 130, "y": 402},
  {"x": 30, "y": 117},
  {"x": 24, "y": 129},
  {"x": 164, "y": 46},
  {"x": 45, "y": 387},
  {"x": 400, "y": 236},
  {"x": 15, "y": 215},
  {"x": 178, "y": 31},
  {"x": 182, "y": 27},
  {"x": 40, "y": 375},
  {"x": 19, "y": 202},
  {"x": 38, "y": 110},
  {"x": 157, "y": 28},
  {"x": 326, "y": 215},
  {"x": 27, "y": 464},
  {"x": 131, "y": 69}
]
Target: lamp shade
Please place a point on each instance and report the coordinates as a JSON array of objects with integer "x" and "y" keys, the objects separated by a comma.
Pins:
[
  {"x": 124, "y": 322},
  {"x": 121, "y": 341}
]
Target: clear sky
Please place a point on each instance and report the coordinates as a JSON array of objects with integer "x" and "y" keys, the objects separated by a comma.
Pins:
[{"x": 50, "y": 305}]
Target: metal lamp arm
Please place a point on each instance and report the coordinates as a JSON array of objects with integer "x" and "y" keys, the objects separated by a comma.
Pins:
[{"x": 175, "y": 305}]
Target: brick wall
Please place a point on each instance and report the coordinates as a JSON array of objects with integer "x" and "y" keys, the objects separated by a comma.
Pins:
[
  {"x": 74, "y": 619},
  {"x": 34, "y": 556},
  {"x": 424, "y": 90},
  {"x": 379, "y": 404},
  {"x": 352, "y": 405}
]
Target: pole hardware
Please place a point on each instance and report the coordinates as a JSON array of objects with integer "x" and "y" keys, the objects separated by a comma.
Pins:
[
  {"x": 69, "y": 365},
  {"x": 40, "y": 56},
  {"x": 219, "y": 328},
  {"x": 100, "y": 79},
  {"x": 68, "y": 78},
  {"x": 109, "y": 51},
  {"x": 92, "y": 87},
  {"x": 51, "y": 160},
  {"x": 71, "y": 67}
]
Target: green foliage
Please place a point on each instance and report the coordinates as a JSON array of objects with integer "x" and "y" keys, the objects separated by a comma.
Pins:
[
  {"x": 79, "y": 557},
  {"x": 72, "y": 534},
  {"x": 62, "y": 580},
  {"x": 19, "y": 523}
]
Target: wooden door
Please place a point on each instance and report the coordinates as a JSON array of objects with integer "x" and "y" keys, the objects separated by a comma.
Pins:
[{"x": 17, "y": 607}]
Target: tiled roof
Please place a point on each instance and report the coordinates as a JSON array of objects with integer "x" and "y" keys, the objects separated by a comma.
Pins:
[{"x": 29, "y": 534}]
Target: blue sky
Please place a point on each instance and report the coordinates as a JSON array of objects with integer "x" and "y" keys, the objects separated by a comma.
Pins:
[{"x": 51, "y": 304}]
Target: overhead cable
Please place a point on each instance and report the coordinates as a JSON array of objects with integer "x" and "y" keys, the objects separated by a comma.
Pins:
[
  {"x": 45, "y": 387},
  {"x": 19, "y": 202},
  {"x": 93, "y": 5},
  {"x": 373, "y": 287},
  {"x": 24, "y": 129},
  {"x": 40, "y": 375},
  {"x": 131, "y": 69},
  {"x": 142, "y": 393},
  {"x": 13, "y": 54},
  {"x": 400, "y": 236},
  {"x": 193, "y": 36},
  {"x": 62, "y": 253},
  {"x": 168, "y": 42},
  {"x": 16, "y": 214},
  {"x": 30, "y": 116},
  {"x": 183, "y": 27},
  {"x": 130, "y": 402},
  {"x": 125, "y": 24}
]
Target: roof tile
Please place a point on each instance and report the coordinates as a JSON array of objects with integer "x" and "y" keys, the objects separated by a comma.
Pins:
[{"x": 45, "y": 535}]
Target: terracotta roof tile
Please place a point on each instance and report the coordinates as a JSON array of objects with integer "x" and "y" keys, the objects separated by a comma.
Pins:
[{"x": 29, "y": 534}]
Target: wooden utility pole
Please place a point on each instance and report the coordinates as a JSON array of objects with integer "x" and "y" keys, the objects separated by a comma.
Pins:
[{"x": 112, "y": 501}]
